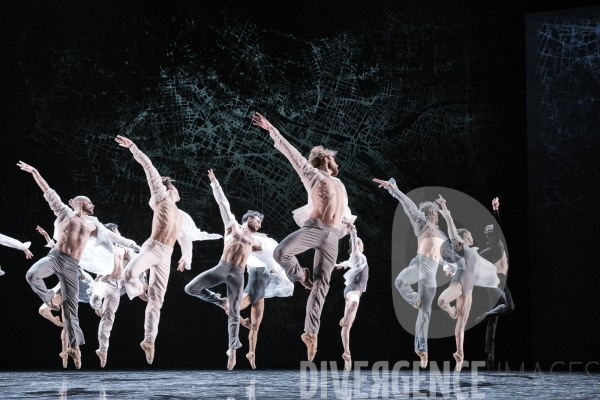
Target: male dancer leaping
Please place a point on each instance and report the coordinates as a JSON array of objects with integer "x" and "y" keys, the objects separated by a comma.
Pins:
[
  {"x": 266, "y": 279},
  {"x": 423, "y": 268},
  {"x": 321, "y": 226},
  {"x": 72, "y": 233},
  {"x": 15, "y": 244},
  {"x": 156, "y": 251},
  {"x": 239, "y": 242},
  {"x": 107, "y": 293},
  {"x": 495, "y": 253}
]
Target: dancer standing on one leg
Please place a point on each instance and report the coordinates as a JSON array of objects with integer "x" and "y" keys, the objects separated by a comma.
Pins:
[
  {"x": 495, "y": 253},
  {"x": 15, "y": 244},
  {"x": 72, "y": 234},
  {"x": 266, "y": 279},
  {"x": 432, "y": 245},
  {"x": 239, "y": 243},
  {"x": 356, "y": 285},
  {"x": 321, "y": 226},
  {"x": 155, "y": 255}
]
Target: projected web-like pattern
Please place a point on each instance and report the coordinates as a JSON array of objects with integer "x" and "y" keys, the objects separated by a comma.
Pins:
[{"x": 380, "y": 98}]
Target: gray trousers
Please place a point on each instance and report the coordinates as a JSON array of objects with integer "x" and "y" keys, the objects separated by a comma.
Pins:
[
  {"x": 65, "y": 267},
  {"x": 108, "y": 289},
  {"x": 233, "y": 277},
  {"x": 421, "y": 270},
  {"x": 258, "y": 277},
  {"x": 324, "y": 239}
]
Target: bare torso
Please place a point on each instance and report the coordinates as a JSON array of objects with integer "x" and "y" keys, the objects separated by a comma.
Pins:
[
  {"x": 166, "y": 221},
  {"x": 430, "y": 242},
  {"x": 120, "y": 255},
  {"x": 239, "y": 244},
  {"x": 329, "y": 202},
  {"x": 73, "y": 235},
  {"x": 502, "y": 265}
]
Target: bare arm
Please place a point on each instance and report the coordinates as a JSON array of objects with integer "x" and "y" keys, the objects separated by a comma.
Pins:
[
  {"x": 157, "y": 189},
  {"x": 417, "y": 218},
  {"x": 226, "y": 215},
  {"x": 36, "y": 175},
  {"x": 187, "y": 248},
  {"x": 309, "y": 175},
  {"x": 452, "y": 231},
  {"x": 122, "y": 241}
]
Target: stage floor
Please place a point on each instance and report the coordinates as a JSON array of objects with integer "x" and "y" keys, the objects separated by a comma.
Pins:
[{"x": 286, "y": 384}]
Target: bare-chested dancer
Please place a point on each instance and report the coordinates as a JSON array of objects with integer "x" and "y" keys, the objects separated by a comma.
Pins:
[
  {"x": 239, "y": 243},
  {"x": 266, "y": 279},
  {"x": 72, "y": 234},
  {"x": 423, "y": 268},
  {"x": 156, "y": 252},
  {"x": 107, "y": 293},
  {"x": 321, "y": 226},
  {"x": 356, "y": 284},
  {"x": 15, "y": 244}
]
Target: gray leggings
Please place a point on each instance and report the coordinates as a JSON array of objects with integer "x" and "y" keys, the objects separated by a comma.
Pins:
[
  {"x": 421, "y": 270},
  {"x": 233, "y": 277},
  {"x": 65, "y": 267}
]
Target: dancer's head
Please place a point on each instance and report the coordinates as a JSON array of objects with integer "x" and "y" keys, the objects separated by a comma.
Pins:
[
  {"x": 174, "y": 193},
  {"x": 252, "y": 220},
  {"x": 489, "y": 230},
  {"x": 82, "y": 204},
  {"x": 113, "y": 227},
  {"x": 324, "y": 159},
  {"x": 466, "y": 236},
  {"x": 430, "y": 209},
  {"x": 361, "y": 246}
]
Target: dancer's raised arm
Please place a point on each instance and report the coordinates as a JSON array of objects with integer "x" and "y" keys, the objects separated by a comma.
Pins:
[
  {"x": 309, "y": 175},
  {"x": 417, "y": 218},
  {"x": 452, "y": 231},
  {"x": 157, "y": 189},
  {"x": 226, "y": 215},
  {"x": 36, "y": 175}
]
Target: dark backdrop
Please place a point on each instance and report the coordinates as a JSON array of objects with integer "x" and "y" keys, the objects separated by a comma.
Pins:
[{"x": 432, "y": 93}]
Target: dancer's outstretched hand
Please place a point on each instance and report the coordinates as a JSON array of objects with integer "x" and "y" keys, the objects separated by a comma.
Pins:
[
  {"x": 259, "y": 120},
  {"x": 383, "y": 183},
  {"x": 350, "y": 226},
  {"x": 28, "y": 254},
  {"x": 496, "y": 203},
  {"x": 26, "y": 167},
  {"x": 211, "y": 175},
  {"x": 441, "y": 201},
  {"x": 43, "y": 233},
  {"x": 181, "y": 265},
  {"x": 339, "y": 266},
  {"x": 123, "y": 141}
]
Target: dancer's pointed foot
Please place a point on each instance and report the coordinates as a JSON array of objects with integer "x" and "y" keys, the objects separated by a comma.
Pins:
[
  {"x": 454, "y": 314},
  {"x": 417, "y": 305},
  {"x": 344, "y": 322},
  {"x": 490, "y": 362},
  {"x": 245, "y": 322},
  {"x": 149, "y": 350},
  {"x": 459, "y": 360},
  {"x": 424, "y": 358},
  {"x": 53, "y": 307},
  {"x": 65, "y": 358},
  {"x": 347, "y": 360},
  {"x": 306, "y": 282},
  {"x": 231, "y": 361},
  {"x": 75, "y": 355},
  {"x": 251, "y": 357},
  {"x": 225, "y": 305},
  {"x": 481, "y": 318},
  {"x": 102, "y": 356},
  {"x": 310, "y": 339}
]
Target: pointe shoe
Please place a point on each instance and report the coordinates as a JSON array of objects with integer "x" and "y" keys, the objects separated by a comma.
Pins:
[
  {"x": 459, "y": 360},
  {"x": 417, "y": 305},
  {"x": 311, "y": 345},
  {"x": 424, "y": 358},
  {"x": 76, "y": 356},
  {"x": 65, "y": 358},
  {"x": 306, "y": 282},
  {"x": 102, "y": 356},
  {"x": 347, "y": 360},
  {"x": 231, "y": 362},
  {"x": 454, "y": 315},
  {"x": 251, "y": 357},
  {"x": 149, "y": 350},
  {"x": 344, "y": 322},
  {"x": 245, "y": 322}
]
